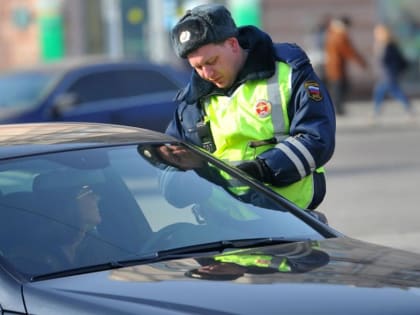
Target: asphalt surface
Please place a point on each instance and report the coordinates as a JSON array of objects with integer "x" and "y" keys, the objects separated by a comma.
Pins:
[{"x": 373, "y": 179}]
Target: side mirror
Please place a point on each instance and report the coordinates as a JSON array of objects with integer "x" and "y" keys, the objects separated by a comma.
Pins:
[{"x": 63, "y": 103}]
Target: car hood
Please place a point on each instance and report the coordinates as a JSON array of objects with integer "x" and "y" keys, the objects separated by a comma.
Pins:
[{"x": 334, "y": 276}]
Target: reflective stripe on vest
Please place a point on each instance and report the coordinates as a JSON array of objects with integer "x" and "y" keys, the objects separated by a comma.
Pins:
[
  {"x": 278, "y": 89},
  {"x": 257, "y": 113}
]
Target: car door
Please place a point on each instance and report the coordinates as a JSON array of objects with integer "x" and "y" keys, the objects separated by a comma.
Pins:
[{"x": 134, "y": 96}]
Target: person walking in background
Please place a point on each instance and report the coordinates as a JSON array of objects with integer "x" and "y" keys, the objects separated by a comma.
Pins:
[
  {"x": 390, "y": 63},
  {"x": 318, "y": 45},
  {"x": 339, "y": 51}
]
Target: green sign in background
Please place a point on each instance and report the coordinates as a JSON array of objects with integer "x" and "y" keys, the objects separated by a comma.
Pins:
[
  {"x": 51, "y": 36},
  {"x": 246, "y": 12}
]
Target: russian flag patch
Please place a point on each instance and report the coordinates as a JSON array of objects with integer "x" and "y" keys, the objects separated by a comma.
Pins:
[{"x": 313, "y": 90}]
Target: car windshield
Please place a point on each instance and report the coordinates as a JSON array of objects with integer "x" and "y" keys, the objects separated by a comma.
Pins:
[
  {"x": 87, "y": 207},
  {"x": 20, "y": 90}
]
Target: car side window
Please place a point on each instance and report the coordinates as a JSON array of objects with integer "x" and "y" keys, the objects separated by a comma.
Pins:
[{"x": 120, "y": 84}]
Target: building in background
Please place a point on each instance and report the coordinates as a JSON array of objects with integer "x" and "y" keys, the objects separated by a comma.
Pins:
[
  {"x": 36, "y": 31},
  {"x": 19, "y": 33}
]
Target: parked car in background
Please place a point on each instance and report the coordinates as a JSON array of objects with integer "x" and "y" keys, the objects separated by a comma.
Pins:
[
  {"x": 106, "y": 219},
  {"x": 91, "y": 89}
]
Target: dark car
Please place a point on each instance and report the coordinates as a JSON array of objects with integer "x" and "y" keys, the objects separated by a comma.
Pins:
[
  {"x": 107, "y": 219},
  {"x": 92, "y": 89}
]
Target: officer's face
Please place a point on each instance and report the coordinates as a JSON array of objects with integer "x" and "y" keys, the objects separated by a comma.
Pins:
[{"x": 218, "y": 63}]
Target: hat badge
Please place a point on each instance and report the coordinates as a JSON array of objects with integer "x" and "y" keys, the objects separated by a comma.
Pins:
[{"x": 184, "y": 36}]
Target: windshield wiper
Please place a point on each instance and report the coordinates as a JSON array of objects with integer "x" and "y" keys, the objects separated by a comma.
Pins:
[
  {"x": 173, "y": 253},
  {"x": 207, "y": 248},
  {"x": 77, "y": 271},
  {"x": 220, "y": 246}
]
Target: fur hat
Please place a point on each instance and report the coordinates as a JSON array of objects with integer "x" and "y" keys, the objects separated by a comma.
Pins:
[{"x": 204, "y": 24}]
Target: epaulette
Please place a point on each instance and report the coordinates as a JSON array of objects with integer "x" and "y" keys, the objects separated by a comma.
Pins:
[{"x": 291, "y": 54}]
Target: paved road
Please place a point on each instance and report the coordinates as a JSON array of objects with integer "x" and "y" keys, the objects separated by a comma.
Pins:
[{"x": 373, "y": 180}]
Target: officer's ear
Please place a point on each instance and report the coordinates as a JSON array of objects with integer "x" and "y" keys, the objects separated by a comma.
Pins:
[{"x": 233, "y": 43}]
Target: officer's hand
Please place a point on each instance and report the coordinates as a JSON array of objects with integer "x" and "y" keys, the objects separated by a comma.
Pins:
[
  {"x": 256, "y": 169},
  {"x": 180, "y": 156}
]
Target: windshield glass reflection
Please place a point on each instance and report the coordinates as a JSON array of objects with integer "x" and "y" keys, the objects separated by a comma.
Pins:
[{"x": 68, "y": 210}]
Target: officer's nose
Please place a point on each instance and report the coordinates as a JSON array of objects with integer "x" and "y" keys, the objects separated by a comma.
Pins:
[{"x": 208, "y": 73}]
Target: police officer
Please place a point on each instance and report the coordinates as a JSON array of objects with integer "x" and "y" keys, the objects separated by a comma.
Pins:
[{"x": 255, "y": 104}]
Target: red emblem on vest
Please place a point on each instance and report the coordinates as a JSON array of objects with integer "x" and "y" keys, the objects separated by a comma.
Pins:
[{"x": 263, "y": 108}]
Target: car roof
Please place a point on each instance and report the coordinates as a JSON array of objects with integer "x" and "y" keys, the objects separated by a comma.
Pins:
[
  {"x": 34, "y": 138},
  {"x": 83, "y": 61},
  {"x": 63, "y": 66}
]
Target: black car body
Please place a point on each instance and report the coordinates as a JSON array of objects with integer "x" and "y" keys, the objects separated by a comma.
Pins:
[
  {"x": 198, "y": 239},
  {"x": 94, "y": 89}
]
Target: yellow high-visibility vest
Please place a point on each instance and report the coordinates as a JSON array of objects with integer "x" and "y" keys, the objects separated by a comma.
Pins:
[{"x": 257, "y": 111}]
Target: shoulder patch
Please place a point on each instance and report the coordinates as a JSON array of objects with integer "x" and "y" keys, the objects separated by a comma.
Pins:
[{"x": 313, "y": 90}]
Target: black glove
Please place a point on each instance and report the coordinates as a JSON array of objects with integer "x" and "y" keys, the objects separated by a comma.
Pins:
[{"x": 256, "y": 169}]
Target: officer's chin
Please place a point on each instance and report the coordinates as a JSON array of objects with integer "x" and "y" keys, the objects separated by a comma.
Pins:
[{"x": 220, "y": 84}]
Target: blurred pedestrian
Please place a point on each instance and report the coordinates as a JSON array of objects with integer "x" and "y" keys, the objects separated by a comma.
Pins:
[
  {"x": 318, "y": 36},
  {"x": 339, "y": 51},
  {"x": 391, "y": 63}
]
